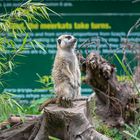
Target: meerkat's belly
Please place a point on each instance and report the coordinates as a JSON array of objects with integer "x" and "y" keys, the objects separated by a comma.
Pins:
[{"x": 67, "y": 78}]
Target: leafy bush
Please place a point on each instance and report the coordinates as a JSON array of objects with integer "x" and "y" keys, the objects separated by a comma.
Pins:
[{"x": 10, "y": 30}]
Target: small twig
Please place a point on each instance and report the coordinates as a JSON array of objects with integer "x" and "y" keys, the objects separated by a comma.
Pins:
[
  {"x": 135, "y": 26},
  {"x": 135, "y": 1}
]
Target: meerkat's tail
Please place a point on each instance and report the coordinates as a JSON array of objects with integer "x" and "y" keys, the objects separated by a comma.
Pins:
[{"x": 47, "y": 102}]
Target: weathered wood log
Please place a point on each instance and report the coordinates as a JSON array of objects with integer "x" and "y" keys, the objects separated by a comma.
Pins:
[
  {"x": 21, "y": 131},
  {"x": 64, "y": 123},
  {"x": 116, "y": 102},
  {"x": 15, "y": 119}
]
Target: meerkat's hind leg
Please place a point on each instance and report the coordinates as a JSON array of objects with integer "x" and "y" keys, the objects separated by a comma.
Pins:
[
  {"x": 65, "y": 102},
  {"x": 65, "y": 94}
]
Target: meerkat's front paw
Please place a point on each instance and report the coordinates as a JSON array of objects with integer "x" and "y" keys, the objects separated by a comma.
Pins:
[
  {"x": 72, "y": 82},
  {"x": 79, "y": 84},
  {"x": 65, "y": 102}
]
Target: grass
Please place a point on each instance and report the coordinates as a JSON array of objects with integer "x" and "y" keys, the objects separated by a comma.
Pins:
[
  {"x": 129, "y": 75},
  {"x": 112, "y": 133}
]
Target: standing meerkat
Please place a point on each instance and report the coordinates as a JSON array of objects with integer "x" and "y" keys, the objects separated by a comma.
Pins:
[{"x": 66, "y": 71}]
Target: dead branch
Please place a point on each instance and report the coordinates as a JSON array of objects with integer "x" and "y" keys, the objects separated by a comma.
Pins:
[
  {"x": 13, "y": 120},
  {"x": 114, "y": 100}
]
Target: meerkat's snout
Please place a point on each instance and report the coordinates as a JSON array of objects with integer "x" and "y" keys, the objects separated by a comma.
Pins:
[
  {"x": 66, "y": 41},
  {"x": 74, "y": 40}
]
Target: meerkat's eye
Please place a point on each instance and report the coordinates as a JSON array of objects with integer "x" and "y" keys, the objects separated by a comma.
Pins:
[
  {"x": 59, "y": 41},
  {"x": 68, "y": 37}
]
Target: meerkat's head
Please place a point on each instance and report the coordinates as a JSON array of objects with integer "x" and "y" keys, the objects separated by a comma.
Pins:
[{"x": 66, "y": 42}]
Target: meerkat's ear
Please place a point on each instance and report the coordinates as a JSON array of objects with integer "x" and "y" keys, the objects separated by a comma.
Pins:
[{"x": 59, "y": 41}]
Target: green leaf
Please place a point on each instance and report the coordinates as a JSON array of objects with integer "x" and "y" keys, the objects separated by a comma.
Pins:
[
  {"x": 131, "y": 135},
  {"x": 53, "y": 12},
  {"x": 14, "y": 33},
  {"x": 10, "y": 65},
  {"x": 53, "y": 138},
  {"x": 32, "y": 45},
  {"x": 40, "y": 46},
  {"x": 45, "y": 13},
  {"x": 18, "y": 105}
]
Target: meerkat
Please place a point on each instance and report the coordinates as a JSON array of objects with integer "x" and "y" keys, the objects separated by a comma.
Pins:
[{"x": 66, "y": 71}]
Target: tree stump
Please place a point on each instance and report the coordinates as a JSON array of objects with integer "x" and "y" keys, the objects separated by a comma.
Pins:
[
  {"x": 71, "y": 123},
  {"x": 64, "y": 123}
]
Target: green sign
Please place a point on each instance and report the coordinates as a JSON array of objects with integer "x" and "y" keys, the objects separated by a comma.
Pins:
[{"x": 108, "y": 19}]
